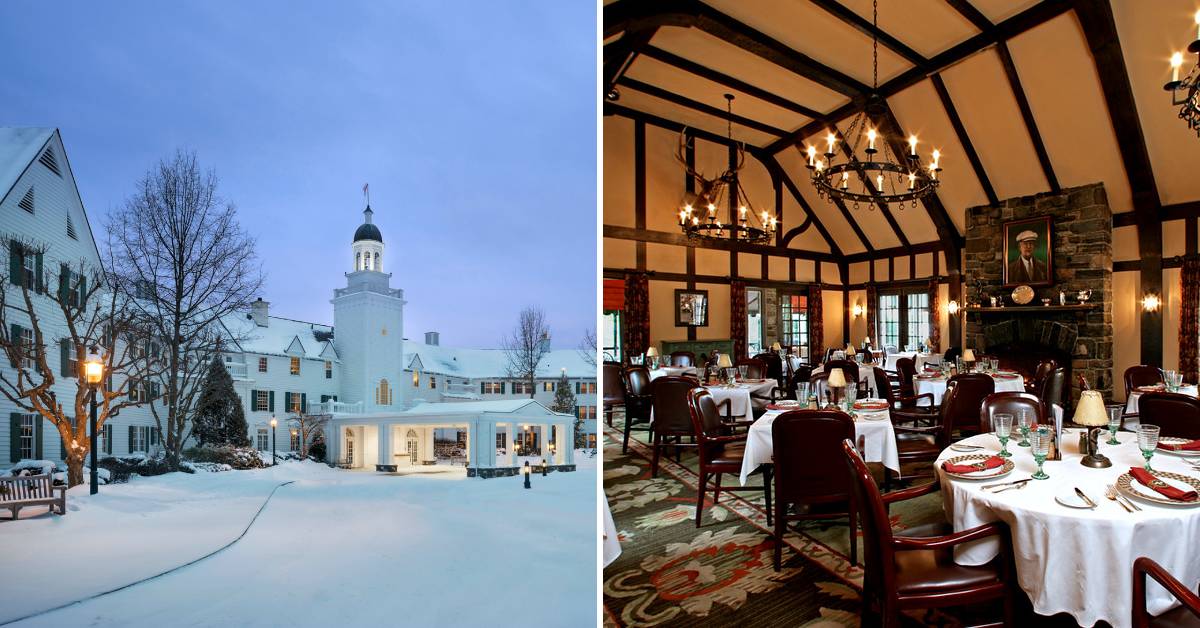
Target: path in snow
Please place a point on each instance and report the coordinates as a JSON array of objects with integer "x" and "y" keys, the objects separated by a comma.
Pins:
[{"x": 335, "y": 545}]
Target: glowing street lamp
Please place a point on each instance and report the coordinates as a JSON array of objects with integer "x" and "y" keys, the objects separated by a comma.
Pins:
[
  {"x": 93, "y": 374},
  {"x": 273, "y": 424}
]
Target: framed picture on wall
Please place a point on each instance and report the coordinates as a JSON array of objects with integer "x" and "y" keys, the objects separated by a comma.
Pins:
[
  {"x": 1028, "y": 254},
  {"x": 691, "y": 308}
]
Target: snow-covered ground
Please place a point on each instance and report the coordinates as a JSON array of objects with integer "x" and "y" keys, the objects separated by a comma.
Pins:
[{"x": 334, "y": 546}]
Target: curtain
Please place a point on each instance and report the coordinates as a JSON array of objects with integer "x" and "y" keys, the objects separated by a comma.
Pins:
[
  {"x": 816, "y": 336},
  {"x": 872, "y": 304},
  {"x": 935, "y": 331},
  {"x": 1189, "y": 324},
  {"x": 636, "y": 323},
  {"x": 737, "y": 318}
]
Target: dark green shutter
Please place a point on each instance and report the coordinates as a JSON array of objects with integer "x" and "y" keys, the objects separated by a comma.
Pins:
[
  {"x": 324, "y": 398},
  {"x": 64, "y": 283},
  {"x": 64, "y": 358},
  {"x": 82, "y": 292},
  {"x": 287, "y": 402},
  {"x": 37, "y": 437},
  {"x": 131, "y": 430},
  {"x": 304, "y": 403},
  {"x": 14, "y": 336},
  {"x": 107, "y": 439},
  {"x": 154, "y": 435},
  {"x": 481, "y": 387},
  {"x": 16, "y": 266},
  {"x": 271, "y": 401},
  {"x": 14, "y": 437},
  {"x": 37, "y": 273},
  {"x": 502, "y": 387},
  {"x": 62, "y": 448}
]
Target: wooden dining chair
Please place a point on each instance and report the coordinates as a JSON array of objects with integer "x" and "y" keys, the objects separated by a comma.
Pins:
[
  {"x": 916, "y": 569},
  {"x": 1186, "y": 614},
  {"x": 1053, "y": 390},
  {"x": 906, "y": 370},
  {"x": 719, "y": 453},
  {"x": 1174, "y": 414},
  {"x": 850, "y": 369},
  {"x": 808, "y": 477},
  {"x": 1142, "y": 375},
  {"x": 774, "y": 366},
  {"x": 951, "y": 354},
  {"x": 1038, "y": 379},
  {"x": 973, "y": 388},
  {"x": 614, "y": 389},
  {"x": 672, "y": 417},
  {"x": 919, "y": 443},
  {"x": 683, "y": 358},
  {"x": 755, "y": 368},
  {"x": 638, "y": 403},
  {"x": 904, "y": 409},
  {"x": 1010, "y": 403}
]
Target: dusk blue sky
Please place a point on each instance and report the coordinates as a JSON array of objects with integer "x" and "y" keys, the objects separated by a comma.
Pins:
[{"x": 473, "y": 122}]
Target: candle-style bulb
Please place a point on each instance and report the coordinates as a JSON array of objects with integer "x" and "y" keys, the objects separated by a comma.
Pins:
[
  {"x": 937, "y": 156},
  {"x": 879, "y": 182},
  {"x": 712, "y": 209},
  {"x": 1176, "y": 62},
  {"x": 845, "y": 180},
  {"x": 871, "y": 135},
  {"x": 812, "y": 154},
  {"x": 742, "y": 211},
  {"x": 831, "y": 139},
  {"x": 912, "y": 180},
  {"x": 912, "y": 145}
]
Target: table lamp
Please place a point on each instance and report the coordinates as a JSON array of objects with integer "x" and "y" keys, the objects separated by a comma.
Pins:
[
  {"x": 775, "y": 347},
  {"x": 837, "y": 379},
  {"x": 968, "y": 358},
  {"x": 1090, "y": 412},
  {"x": 724, "y": 363},
  {"x": 652, "y": 355}
]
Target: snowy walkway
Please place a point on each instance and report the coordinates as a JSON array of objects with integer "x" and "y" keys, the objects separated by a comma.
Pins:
[{"x": 420, "y": 550}]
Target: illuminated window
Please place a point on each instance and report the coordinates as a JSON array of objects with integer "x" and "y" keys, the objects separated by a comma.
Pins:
[
  {"x": 585, "y": 388},
  {"x": 328, "y": 369},
  {"x": 547, "y": 386},
  {"x": 416, "y": 378},
  {"x": 383, "y": 393},
  {"x": 491, "y": 388},
  {"x": 295, "y": 366},
  {"x": 262, "y": 365},
  {"x": 522, "y": 388}
]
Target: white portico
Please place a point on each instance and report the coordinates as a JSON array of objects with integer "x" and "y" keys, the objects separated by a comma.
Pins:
[{"x": 389, "y": 441}]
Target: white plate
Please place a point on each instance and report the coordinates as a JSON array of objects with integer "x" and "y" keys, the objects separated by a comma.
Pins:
[
  {"x": 1068, "y": 498},
  {"x": 986, "y": 474},
  {"x": 1129, "y": 487},
  {"x": 1173, "y": 440}
]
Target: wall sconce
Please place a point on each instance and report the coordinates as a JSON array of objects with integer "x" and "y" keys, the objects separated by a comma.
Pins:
[
  {"x": 857, "y": 310},
  {"x": 1151, "y": 303},
  {"x": 952, "y": 307}
]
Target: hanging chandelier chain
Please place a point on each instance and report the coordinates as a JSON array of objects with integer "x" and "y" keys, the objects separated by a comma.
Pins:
[{"x": 874, "y": 45}]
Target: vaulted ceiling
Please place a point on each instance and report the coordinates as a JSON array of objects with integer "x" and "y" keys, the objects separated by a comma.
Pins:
[{"x": 1020, "y": 96}]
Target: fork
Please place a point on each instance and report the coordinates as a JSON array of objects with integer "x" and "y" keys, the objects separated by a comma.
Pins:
[
  {"x": 1124, "y": 500},
  {"x": 1111, "y": 493}
]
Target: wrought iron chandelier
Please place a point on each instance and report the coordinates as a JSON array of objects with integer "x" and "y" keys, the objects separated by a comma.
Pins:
[
  {"x": 884, "y": 177},
  {"x": 698, "y": 213},
  {"x": 1185, "y": 93}
]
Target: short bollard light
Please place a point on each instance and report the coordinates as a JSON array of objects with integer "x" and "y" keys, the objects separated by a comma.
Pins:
[
  {"x": 526, "y": 471},
  {"x": 543, "y": 467}
]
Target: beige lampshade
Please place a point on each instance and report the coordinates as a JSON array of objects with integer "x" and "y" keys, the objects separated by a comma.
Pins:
[
  {"x": 1090, "y": 410},
  {"x": 652, "y": 352},
  {"x": 850, "y": 349},
  {"x": 775, "y": 346},
  {"x": 724, "y": 361},
  {"x": 837, "y": 379},
  {"x": 968, "y": 355}
]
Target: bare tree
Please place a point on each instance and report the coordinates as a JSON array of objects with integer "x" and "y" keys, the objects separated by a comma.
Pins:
[
  {"x": 587, "y": 347},
  {"x": 37, "y": 294},
  {"x": 178, "y": 254},
  {"x": 307, "y": 428},
  {"x": 526, "y": 346}
]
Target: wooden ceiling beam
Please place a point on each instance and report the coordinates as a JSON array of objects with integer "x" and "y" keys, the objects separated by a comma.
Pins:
[
  {"x": 611, "y": 109},
  {"x": 973, "y": 15},
  {"x": 964, "y": 139},
  {"x": 865, "y": 27},
  {"x": 773, "y": 166},
  {"x": 870, "y": 187},
  {"x": 1035, "y": 136},
  {"x": 678, "y": 239},
  {"x": 897, "y": 251},
  {"x": 620, "y": 54},
  {"x": 688, "y": 103}
]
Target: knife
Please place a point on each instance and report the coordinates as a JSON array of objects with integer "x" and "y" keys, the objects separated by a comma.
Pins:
[
  {"x": 1005, "y": 483},
  {"x": 1085, "y": 498}
]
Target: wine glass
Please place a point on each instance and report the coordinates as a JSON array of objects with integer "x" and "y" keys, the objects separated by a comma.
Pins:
[
  {"x": 1024, "y": 422},
  {"x": 851, "y": 395},
  {"x": 802, "y": 392},
  {"x": 1147, "y": 436},
  {"x": 1040, "y": 446},
  {"x": 1169, "y": 376},
  {"x": 1003, "y": 426},
  {"x": 742, "y": 369},
  {"x": 1115, "y": 414}
]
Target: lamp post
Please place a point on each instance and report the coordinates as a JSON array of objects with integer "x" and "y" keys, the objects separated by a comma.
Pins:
[
  {"x": 273, "y": 424},
  {"x": 526, "y": 471},
  {"x": 93, "y": 372}
]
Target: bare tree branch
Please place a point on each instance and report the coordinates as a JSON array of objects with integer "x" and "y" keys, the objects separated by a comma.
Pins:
[{"x": 526, "y": 346}]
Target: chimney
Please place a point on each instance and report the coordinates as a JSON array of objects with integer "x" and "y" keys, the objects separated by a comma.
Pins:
[
  {"x": 431, "y": 338},
  {"x": 545, "y": 342},
  {"x": 258, "y": 312}
]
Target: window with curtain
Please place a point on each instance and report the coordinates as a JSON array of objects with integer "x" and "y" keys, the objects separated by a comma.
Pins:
[
  {"x": 793, "y": 320},
  {"x": 902, "y": 318},
  {"x": 754, "y": 321}
]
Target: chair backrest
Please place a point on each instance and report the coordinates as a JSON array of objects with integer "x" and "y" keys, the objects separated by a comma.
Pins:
[
  {"x": 1043, "y": 370},
  {"x": 972, "y": 389},
  {"x": 672, "y": 410},
  {"x": 755, "y": 369},
  {"x": 951, "y": 416},
  {"x": 883, "y": 387},
  {"x": 614, "y": 383},
  {"x": 951, "y": 354},
  {"x": 879, "y": 576},
  {"x": 1143, "y": 567},
  {"x": 906, "y": 369},
  {"x": 819, "y": 386},
  {"x": 705, "y": 415},
  {"x": 683, "y": 358},
  {"x": 807, "y": 457},
  {"x": 1010, "y": 403},
  {"x": 1141, "y": 375},
  {"x": 1053, "y": 389},
  {"x": 774, "y": 365},
  {"x": 849, "y": 369},
  {"x": 1174, "y": 414},
  {"x": 637, "y": 380}
]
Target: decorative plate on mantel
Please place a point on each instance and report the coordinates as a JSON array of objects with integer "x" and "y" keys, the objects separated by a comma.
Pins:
[{"x": 1022, "y": 295}]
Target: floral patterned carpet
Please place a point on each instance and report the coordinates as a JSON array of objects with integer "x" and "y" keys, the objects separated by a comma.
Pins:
[{"x": 671, "y": 573}]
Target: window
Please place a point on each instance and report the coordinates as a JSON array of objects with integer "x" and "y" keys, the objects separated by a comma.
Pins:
[
  {"x": 27, "y": 436},
  {"x": 416, "y": 378},
  {"x": 139, "y": 438},
  {"x": 262, "y": 365},
  {"x": 433, "y": 382},
  {"x": 294, "y": 443},
  {"x": 500, "y": 440},
  {"x": 591, "y": 441},
  {"x": 585, "y": 388},
  {"x": 27, "y": 351},
  {"x": 903, "y": 318},
  {"x": 547, "y": 386},
  {"x": 610, "y": 342},
  {"x": 754, "y": 321},
  {"x": 293, "y": 402},
  {"x": 383, "y": 393},
  {"x": 491, "y": 388},
  {"x": 104, "y": 443},
  {"x": 135, "y": 390},
  {"x": 262, "y": 438},
  {"x": 918, "y": 318},
  {"x": 522, "y": 388},
  {"x": 294, "y": 369},
  {"x": 328, "y": 369},
  {"x": 358, "y": 260},
  {"x": 793, "y": 320},
  {"x": 887, "y": 320},
  {"x": 260, "y": 400},
  {"x": 585, "y": 412}
]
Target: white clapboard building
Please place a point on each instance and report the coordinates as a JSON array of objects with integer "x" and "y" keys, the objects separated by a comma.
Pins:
[{"x": 392, "y": 402}]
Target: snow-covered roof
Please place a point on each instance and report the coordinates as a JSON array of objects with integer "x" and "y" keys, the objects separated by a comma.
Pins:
[
  {"x": 18, "y": 147},
  {"x": 281, "y": 336},
  {"x": 483, "y": 363},
  {"x": 505, "y": 406}
]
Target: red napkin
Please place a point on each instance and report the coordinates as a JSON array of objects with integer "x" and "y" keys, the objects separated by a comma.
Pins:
[
  {"x": 990, "y": 463},
  {"x": 1166, "y": 490},
  {"x": 1193, "y": 445}
]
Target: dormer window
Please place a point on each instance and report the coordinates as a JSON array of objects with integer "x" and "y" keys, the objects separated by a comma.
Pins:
[{"x": 294, "y": 369}]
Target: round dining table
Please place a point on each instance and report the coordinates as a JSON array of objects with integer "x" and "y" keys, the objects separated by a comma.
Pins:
[
  {"x": 873, "y": 432},
  {"x": 1077, "y": 560},
  {"x": 919, "y": 359},
  {"x": 936, "y": 385}
]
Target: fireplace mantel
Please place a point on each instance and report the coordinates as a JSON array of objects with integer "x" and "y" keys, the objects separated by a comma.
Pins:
[{"x": 1032, "y": 309}]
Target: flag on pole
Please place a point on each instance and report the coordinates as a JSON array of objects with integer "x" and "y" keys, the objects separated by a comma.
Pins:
[{"x": 367, "y": 193}]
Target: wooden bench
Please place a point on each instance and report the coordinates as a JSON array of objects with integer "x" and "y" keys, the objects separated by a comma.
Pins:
[{"x": 32, "y": 490}]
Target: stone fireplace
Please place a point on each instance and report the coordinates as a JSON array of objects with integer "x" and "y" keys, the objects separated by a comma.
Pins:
[{"x": 1080, "y": 339}]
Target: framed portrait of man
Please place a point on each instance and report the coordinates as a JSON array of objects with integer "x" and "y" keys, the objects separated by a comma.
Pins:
[
  {"x": 691, "y": 308},
  {"x": 1028, "y": 256}
]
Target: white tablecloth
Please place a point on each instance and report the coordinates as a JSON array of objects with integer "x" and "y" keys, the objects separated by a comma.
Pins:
[
  {"x": 738, "y": 396},
  {"x": 1071, "y": 560},
  {"x": 864, "y": 377},
  {"x": 937, "y": 386},
  {"x": 879, "y": 442},
  {"x": 674, "y": 371},
  {"x": 612, "y": 545}
]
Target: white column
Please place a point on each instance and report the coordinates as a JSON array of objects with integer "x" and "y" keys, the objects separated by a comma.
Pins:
[
  {"x": 512, "y": 444},
  {"x": 488, "y": 443},
  {"x": 568, "y": 453},
  {"x": 333, "y": 442},
  {"x": 385, "y": 444},
  {"x": 566, "y": 444}
]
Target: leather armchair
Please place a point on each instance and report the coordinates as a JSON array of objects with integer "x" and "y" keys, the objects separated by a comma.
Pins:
[
  {"x": 1186, "y": 614},
  {"x": 719, "y": 453},
  {"x": 1010, "y": 403},
  {"x": 683, "y": 358},
  {"x": 1173, "y": 413},
  {"x": 638, "y": 403},
  {"x": 672, "y": 417},
  {"x": 614, "y": 389}
]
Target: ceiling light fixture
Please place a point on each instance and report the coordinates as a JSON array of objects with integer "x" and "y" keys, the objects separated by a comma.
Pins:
[{"x": 1185, "y": 93}]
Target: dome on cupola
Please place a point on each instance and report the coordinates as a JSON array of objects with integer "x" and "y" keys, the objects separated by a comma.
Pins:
[{"x": 367, "y": 230}]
